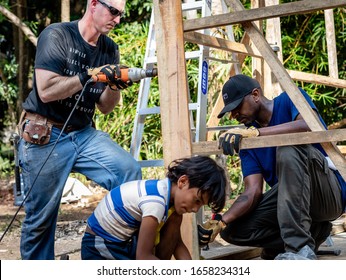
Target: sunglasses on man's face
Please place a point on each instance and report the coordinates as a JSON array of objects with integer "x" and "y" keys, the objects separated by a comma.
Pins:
[{"x": 114, "y": 11}]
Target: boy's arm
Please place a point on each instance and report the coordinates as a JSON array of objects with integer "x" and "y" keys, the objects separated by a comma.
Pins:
[
  {"x": 181, "y": 252},
  {"x": 146, "y": 239}
]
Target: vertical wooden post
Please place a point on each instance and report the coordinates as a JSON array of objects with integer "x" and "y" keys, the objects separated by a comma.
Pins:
[
  {"x": 273, "y": 36},
  {"x": 331, "y": 44},
  {"x": 258, "y": 63},
  {"x": 173, "y": 87}
]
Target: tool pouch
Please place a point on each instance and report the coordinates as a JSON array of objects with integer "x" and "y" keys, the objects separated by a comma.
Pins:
[{"x": 36, "y": 131}]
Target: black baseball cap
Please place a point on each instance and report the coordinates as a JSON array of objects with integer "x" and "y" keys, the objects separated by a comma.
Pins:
[{"x": 234, "y": 91}]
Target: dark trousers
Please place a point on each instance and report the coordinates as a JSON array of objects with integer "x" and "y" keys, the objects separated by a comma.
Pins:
[
  {"x": 296, "y": 211},
  {"x": 96, "y": 248}
]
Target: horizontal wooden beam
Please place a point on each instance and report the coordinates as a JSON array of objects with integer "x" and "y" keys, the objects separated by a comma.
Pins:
[
  {"x": 219, "y": 43},
  {"x": 230, "y": 252},
  {"x": 211, "y": 147},
  {"x": 292, "y": 8},
  {"x": 316, "y": 79}
]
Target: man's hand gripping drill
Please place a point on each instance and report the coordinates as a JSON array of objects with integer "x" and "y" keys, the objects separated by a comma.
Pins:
[{"x": 116, "y": 76}]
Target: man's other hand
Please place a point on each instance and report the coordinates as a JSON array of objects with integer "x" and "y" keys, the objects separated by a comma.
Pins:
[{"x": 208, "y": 231}]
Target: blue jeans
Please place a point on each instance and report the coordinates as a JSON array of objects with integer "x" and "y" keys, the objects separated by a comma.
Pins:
[{"x": 89, "y": 152}]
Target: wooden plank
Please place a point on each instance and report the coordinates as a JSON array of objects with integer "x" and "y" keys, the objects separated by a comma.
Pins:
[
  {"x": 339, "y": 225},
  {"x": 241, "y": 255},
  {"x": 273, "y": 36},
  {"x": 211, "y": 147},
  {"x": 174, "y": 97},
  {"x": 337, "y": 228},
  {"x": 342, "y": 149},
  {"x": 172, "y": 80},
  {"x": 292, "y": 90},
  {"x": 316, "y": 79},
  {"x": 231, "y": 252},
  {"x": 292, "y": 8},
  {"x": 222, "y": 44},
  {"x": 258, "y": 63},
  {"x": 331, "y": 44}
]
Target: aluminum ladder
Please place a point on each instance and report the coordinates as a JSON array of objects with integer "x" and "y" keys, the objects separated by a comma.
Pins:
[{"x": 198, "y": 126}]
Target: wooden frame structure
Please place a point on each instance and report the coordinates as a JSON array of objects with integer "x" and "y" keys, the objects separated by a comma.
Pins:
[{"x": 172, "y": 32}]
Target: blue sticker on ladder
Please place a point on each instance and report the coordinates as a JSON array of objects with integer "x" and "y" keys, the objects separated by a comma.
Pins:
[{"x": 204, "y": 85}]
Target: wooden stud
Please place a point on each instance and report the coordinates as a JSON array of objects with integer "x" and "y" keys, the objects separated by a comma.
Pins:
[
  {"x": 174, "y": 97},
  {"x": 258, "y": 63},
  {"x": 331, "y": 44},
  {"x": 273, "y": 36}
]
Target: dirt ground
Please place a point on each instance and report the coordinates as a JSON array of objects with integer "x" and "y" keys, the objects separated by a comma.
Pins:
[
  {"x": 72, "y": 221},
  {"x": 70, "y": 227}
]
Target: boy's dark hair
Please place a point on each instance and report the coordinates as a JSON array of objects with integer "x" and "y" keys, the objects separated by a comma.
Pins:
[{"x": 203, "y": 173}]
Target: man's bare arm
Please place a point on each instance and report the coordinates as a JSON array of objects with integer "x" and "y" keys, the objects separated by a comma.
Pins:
[
  {"x": 246, "y": 201},
  {"x": 52, "y": 86},
  {"x": 108, "y": 100}
]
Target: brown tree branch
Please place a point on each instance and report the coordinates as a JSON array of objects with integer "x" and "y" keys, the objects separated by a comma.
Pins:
[{"x": 21, "y": 25}]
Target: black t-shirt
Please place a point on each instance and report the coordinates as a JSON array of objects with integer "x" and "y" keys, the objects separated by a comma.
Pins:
[{"x": 61, "y": 49}]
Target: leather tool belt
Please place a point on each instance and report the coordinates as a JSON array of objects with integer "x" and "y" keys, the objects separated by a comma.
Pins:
[{"x": 37, "y": 129}]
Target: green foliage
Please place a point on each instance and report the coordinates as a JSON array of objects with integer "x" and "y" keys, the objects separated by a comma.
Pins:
[
  {"x": 138, "y": 9},
  {"x": 5, "y": 4},
  {"x": 304, "y": 49},
  {"x": 34, "y": 27},
  {"x": 6, "y": 161},
  {"x": 8, "y": 96},
  {"x": 8, "y": 87}
]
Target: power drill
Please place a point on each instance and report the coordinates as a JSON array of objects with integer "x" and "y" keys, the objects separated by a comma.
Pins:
[{"x": 133, "y": 74}]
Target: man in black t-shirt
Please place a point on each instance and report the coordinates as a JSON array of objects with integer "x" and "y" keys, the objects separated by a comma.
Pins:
[{"x": 65, "y": 52}]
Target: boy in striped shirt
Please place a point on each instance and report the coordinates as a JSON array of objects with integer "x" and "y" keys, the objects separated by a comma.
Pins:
[{"x": 141, "y": 219}]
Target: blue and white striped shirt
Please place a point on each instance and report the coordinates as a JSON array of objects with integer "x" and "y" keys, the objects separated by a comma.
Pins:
[{"x": 119, "y": 214}]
